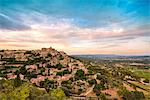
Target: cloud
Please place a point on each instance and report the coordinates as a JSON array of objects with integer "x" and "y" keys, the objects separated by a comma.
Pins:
[
  {"x": 74, "y": 26},
  {"x": 7, "y": 23}
]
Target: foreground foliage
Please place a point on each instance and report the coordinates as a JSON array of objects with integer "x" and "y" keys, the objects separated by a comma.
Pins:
[{"x": 26, "y": 91}]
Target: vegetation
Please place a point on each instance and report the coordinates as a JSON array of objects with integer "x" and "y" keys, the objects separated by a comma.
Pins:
[
  {"x": 37, "y": 77},
  {"x": 66, "y": 71},
  {"x": 80, "y": 75},
  {"x": 133, "y": 95},
  {"x": 92, "y": 81},
  {"x": 58, "y": 93},
  {"x": 47, "y": 84}
]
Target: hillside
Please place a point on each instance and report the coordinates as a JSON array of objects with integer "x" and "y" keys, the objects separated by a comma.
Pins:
[
  {"x": 38, "y": 65},
  {"x": 49, "y": 70}
]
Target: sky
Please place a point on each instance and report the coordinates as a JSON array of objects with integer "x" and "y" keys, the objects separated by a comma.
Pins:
[{"x": 76, "y": 26}]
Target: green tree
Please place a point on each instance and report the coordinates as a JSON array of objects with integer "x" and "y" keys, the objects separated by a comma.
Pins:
[
  {"x": 97, "y": 88},
  {"x": 146, "y": 80},
  {"x": 20, "y": 93},
  {"x": 59, "y": 66},
  {"x": 103, "y": 96},
  {"x": 80, "y": 75},
  {"x": 47, "y": 84},
  {"x": 17, "y": 81},
  {"x": 133, "y": 95},
  {"x": 61, "y": 57},
  {"x": 92, "y": 81},
  {"x": 58, "y": 93},
  {"x": 6, "y": 86},
  {"x": 36, "y": 93},
  {"x": 3, "y": 96},
  {"x": 23, "y": 70}
]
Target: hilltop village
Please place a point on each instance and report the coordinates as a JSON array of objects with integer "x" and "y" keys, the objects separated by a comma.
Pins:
[
  {"x": 49, "y": 69},
  {"x": 36, "y": 66}
]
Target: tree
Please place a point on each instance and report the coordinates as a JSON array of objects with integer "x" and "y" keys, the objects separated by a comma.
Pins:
[
  {"x": 35, "y": 93},
  {"x": 49, "y": 55},
  {"x": 61, "y": 57},
  {"x": 28, "y": 52},
  {"x": 23, "y": 70},
  {"x": 133, "y": 95},
  {"x": 17, "y": 81},
  {"x": 20, "y": 93},
  {"x": 63, "y": 72},
  {"x": 30, "y": 75},
  {"x": 66, "y": 71},
  {"x": 97, "y": 88},
  {"x": 59, "y": 74},
  {"x": 3, "y": 96},
  {"x": 103, "y": 96},
  {"x": 92, "y": 81},
  {"x": 80, "y": 75},
  {"x": 146, "y": 81},
  {"x": 6, "y": 86},
  {"x": 58, "y": 93},
  {"x": 47, "y": 84},
  {"x": 59, "y": 66}
]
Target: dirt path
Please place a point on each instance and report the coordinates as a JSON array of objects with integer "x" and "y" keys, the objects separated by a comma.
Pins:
[{"x": 88, "y": 91}]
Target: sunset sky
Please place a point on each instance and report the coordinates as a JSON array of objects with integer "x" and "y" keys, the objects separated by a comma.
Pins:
[{"x": 76, "y": 26}]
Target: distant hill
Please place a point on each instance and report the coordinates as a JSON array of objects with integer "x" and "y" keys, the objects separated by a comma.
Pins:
[{"x": 110, "y": 56}]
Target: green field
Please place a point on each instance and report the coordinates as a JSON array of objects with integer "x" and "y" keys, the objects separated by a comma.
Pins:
[{"x": 142, "y": 73}]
